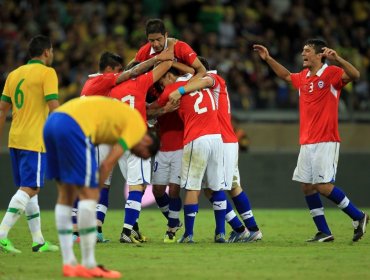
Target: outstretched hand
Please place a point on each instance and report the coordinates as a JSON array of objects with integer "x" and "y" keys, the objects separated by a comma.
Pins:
[
  {"x": 262, "y": 51},
  {"x": 171, "y": 106}
]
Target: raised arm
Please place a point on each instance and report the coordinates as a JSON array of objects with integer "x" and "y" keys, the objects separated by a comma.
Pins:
[
  {"x": 192, "y": 85},
  {"x": 200, "y": 70},
  {"x": 279, "y": 69},
  {"x": 154, "y": 110},
  {"x": 350, "y": 72}
]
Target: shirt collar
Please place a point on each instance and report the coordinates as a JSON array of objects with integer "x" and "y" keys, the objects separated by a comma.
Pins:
[
  {"x": 152, "y": 51},
  {"x": 318, "y": 73},
  {"x": 184, "y": 78},
  {"x": 32, "y": 61}
]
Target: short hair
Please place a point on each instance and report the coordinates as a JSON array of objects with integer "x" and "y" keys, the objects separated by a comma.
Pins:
[
  {"x": 317, "y": 45},
  {"x": 38, "y": 45},
  {"x": 109, "y": 59},
  {"x": 154, "y": 147},
  {"x": 155, "y": 26},
  {"x": 204, "y": 61},
  {"x": 173, "y": 71}
]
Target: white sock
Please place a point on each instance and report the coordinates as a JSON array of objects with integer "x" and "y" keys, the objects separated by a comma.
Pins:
[
  {"x": 16, "y": 208},
  {"x": 64, "y": 227},
  {"x": 86, "y": 221},
  {"x": 34, "y": 220}
]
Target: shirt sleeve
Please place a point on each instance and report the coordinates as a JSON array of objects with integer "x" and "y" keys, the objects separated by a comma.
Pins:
[
  {"x": 145, "y": 81},
  {"x": 336, "y": 77},
  {"x": 5, "y": 95},
  {"x": 295, "y": 80},
  {"x": 185, "y": 53},
  {"x": 50, "y": 84}
]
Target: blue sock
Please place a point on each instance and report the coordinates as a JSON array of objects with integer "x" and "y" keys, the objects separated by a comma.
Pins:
[
  {"x": 163, "y": 204},
  {"x": 219, "y": 209},
  {"x": 174, "y": 212},
  {"x": 102, "y": 206},
  {"x": 342, "y": 201},
  {"x": 132, "y": 208},
  {"x": 244, "y": 209},
  {"x": 231, "y": 216},
  {"x": 190, "y": 211},
  {"x": 75, "y": 211},
  {"x": 317, "y": 212}
]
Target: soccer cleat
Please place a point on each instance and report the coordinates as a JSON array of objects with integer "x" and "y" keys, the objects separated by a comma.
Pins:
[
  {"x": 76, "y": 238},
  {"x": 220, "y": 238},
  {"x": 128, "y": 239},
  {"x": 138, "y": 236},
  {"x": 69, "y": 270},
  {"x": 45, "y": 247},
  {"x": 252, "y": 236},
  {"x": 170, "y": 237},
  {"x": 321, "y": 237},
  {"x": 238, "y": 236},
  {"x": 7, "y": 246},
  {"x": 186, "y": 239},
  {"x": 96, "y": 272},
  {"x": 100, "y": 238},
  {"x": 360, "y": 227}
]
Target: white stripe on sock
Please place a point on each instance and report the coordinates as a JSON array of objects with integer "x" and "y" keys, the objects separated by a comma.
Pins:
[
  {"x": 344, "y": 203},
  {"x": 317, "y": 212}
]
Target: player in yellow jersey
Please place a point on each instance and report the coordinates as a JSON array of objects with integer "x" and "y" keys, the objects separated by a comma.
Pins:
[
  {"x": 31, "y": 91},
  {"x": 70, "y": 134}
]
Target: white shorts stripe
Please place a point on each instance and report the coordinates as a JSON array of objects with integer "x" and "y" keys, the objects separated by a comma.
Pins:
[
  {"x": 344, "y": 203},
  {"x": 317, "y": 212},
  {"x": 38, "y": 174},
  {"x": 88, "y": 162},
  {"x": 132, "y": 204}
]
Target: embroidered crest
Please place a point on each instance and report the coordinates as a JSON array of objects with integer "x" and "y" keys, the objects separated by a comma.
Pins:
[{"x": 320, "y": 84}]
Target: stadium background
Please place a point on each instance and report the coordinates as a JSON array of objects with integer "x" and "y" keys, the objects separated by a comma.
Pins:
[{"x": 264, "y": 108}]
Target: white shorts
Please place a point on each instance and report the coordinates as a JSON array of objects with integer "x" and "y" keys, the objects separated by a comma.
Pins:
[
  {"x": 101, "y": 153},
  {"x": 135, "y": 170},
  {"x": 167, "y": 168},
  {"x": 317, "y": 163},
  {"x": 231, "y": 155},
  {"x": 203, "y": 157}
]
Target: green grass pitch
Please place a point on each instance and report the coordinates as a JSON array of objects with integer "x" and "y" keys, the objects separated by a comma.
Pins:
[{"x": 282, "y": 254}]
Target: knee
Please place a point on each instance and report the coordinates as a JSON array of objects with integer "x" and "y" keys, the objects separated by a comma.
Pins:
[{"x": 158, "y": 191}]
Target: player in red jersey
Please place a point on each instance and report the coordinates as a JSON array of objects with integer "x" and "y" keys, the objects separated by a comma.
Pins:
[
  {"x": 202, "y": 153},
  {"x": 136, "y": 171},
  {"x": 231, "y": 148},
  {"x": 319, "y": 86},
  {"x": 158, "y": 41}
]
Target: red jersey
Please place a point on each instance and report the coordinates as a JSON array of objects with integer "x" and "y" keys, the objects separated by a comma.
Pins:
[
  {"x": 318, "y": 104},
  {"x": 198, "y": 111},
  {"x": 171, "y": 127},
  {"x": 133, "y": 92},
  {"x": 99, "y": 84},
  {"x": 182, "y": 52},
  {"x": 224, "y": 114}
]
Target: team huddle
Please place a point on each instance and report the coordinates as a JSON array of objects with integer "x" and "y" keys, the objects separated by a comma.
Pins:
[{"x": 189, "y": 145}]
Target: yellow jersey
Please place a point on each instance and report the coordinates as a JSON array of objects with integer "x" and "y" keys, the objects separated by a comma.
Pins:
[
  {"x": 106, "y": 120},
  {"x": 28, "y": 88}
]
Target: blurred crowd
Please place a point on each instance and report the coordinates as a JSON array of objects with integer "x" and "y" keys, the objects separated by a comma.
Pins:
[{"x": 221, "y": 30}]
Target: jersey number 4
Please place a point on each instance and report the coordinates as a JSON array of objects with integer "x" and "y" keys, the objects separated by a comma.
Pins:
[{"x": 199, "y": 100}]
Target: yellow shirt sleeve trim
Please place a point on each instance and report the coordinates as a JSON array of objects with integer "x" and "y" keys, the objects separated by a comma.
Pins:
[
  {"x": 123, "y": 144},
  {"x": 6, "y": 99},
  {"x": 51, "y": 97}
]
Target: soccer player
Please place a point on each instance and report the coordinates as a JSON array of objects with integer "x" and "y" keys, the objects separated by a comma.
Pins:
[
  {"x": 319, "y": 86},
  {"x": 231, "y": 147},
  {"x": 136, "y": 171},
  {"x": 110, "y": 74},
  {"x": 31, "y": 91},
  {"x": 202, "y": 153},
  {"x": 70, "y": 134}
]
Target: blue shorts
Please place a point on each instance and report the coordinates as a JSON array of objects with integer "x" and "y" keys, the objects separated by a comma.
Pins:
[
  {"x": 70, "y": 155},
  {"x": 28, "y": 168}
]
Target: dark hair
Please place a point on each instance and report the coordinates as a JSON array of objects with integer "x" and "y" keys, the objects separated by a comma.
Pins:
[
  {"x": 173, "y": 71},
  {"x": 109, "y": 59},
  {"x": 317, "y": 45},
  {"x": 204, "y": 61},
  {"x": 154, "y": 147},
  {"x": 155, "y": 26},
  {"x": 38, "y": 45}
]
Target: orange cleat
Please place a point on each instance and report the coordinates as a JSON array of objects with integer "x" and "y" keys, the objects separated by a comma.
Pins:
[
  {"x": 96, "y": 272},
  {"x": 69, "y": 270}
]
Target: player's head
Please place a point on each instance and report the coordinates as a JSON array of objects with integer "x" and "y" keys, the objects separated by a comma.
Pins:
[
  {"x": 110, "y": 62},
  {"x": 313, "y": 52},
  {"x": 156, "y": 34},
  {"x": 40, "y": 47},
  {"x": 147, "y": 147},
  {"x": 169, "y": 78},
  {"x": 204, "y": 61}
]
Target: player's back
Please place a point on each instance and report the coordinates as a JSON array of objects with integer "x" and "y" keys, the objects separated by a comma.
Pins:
[
  {"x": 133, "y": 92},
  {"x": 99, "y": 84},
  {"x": 28, "y": 88}
]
